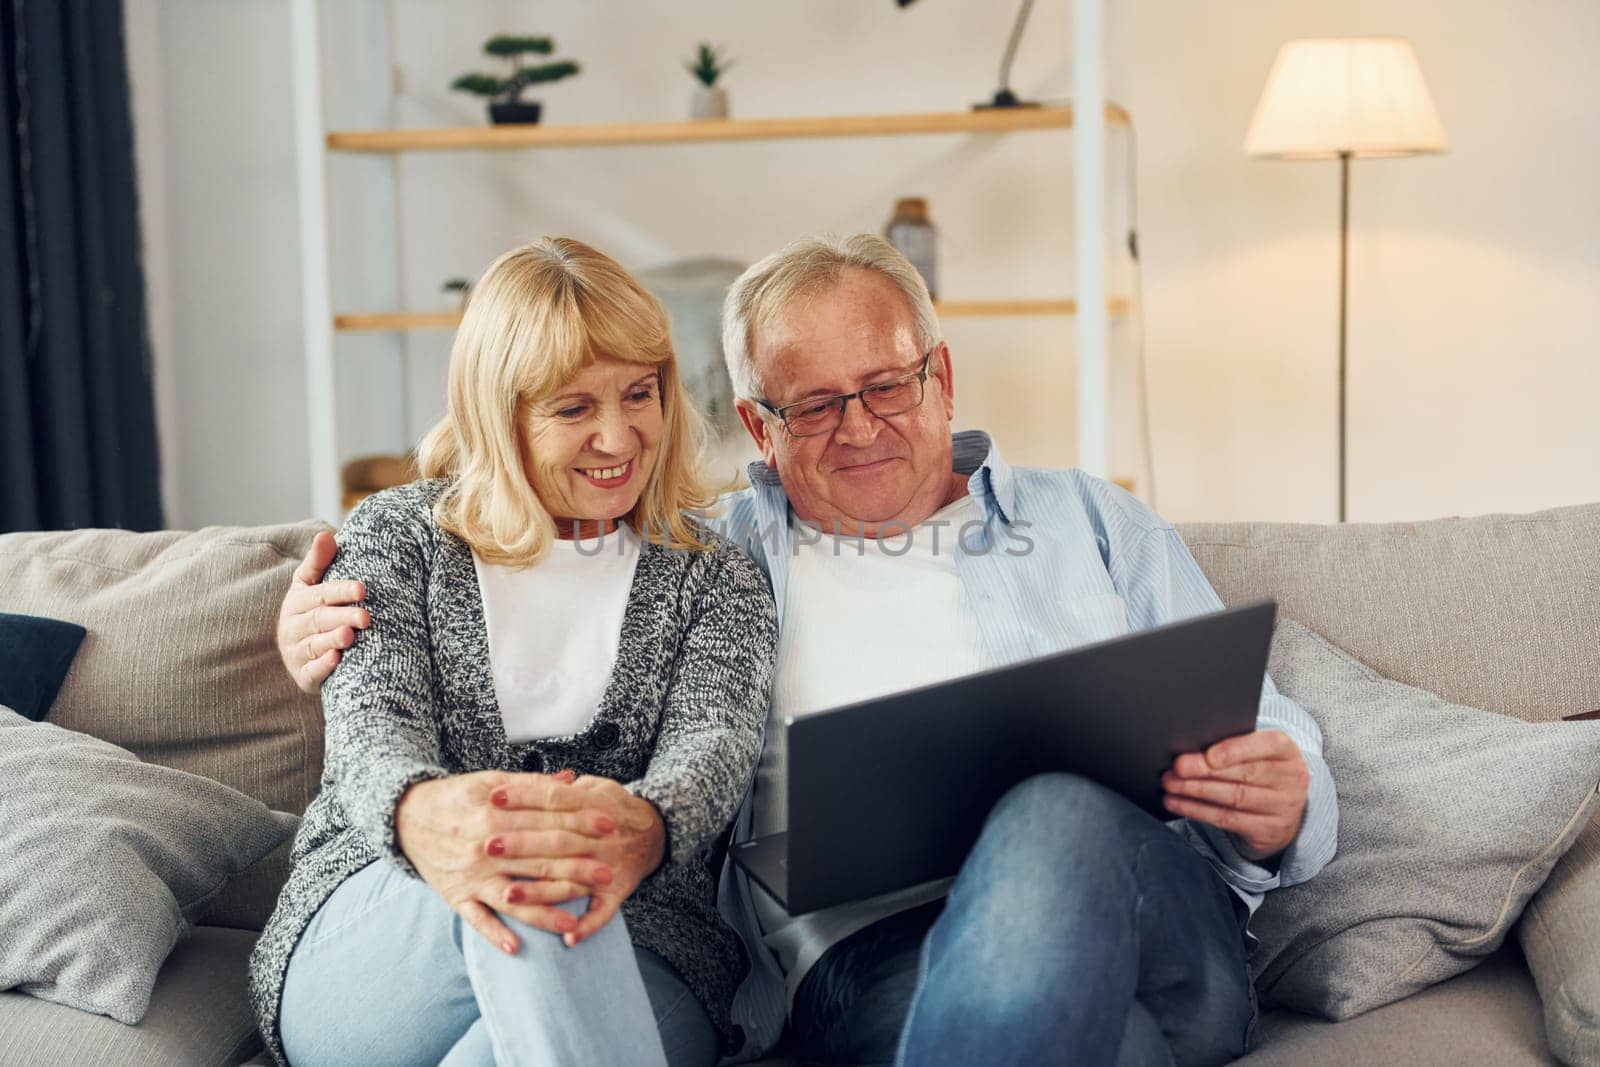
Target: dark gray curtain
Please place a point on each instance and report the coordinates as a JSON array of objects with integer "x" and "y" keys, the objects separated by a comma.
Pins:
[{"x": 77, "y": 412}]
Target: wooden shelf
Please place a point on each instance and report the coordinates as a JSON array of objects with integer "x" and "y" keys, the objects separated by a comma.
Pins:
[
  {"x": 973, "y": 309},
  {"x": 709, "y": 130},
  {"x": 953, "y": 309},
  {"x": 399, "y": 320}
]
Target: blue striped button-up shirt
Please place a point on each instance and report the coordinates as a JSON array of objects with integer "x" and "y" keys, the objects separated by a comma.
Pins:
[{"x": 1098, "y": 562}]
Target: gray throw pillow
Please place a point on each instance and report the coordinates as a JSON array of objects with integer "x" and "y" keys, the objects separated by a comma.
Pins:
[
  {"x": 104, "y": 859},
  {"x": 1450, "y": 818}
]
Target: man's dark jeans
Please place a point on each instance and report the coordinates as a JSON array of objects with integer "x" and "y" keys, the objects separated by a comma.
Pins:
[{"x": 1080, "y": 930}]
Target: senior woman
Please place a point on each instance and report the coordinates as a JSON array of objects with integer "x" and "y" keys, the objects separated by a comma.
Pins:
[{"x": 534, "y": 749}]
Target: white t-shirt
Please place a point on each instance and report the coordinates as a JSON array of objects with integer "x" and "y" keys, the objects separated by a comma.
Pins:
[
  {"x": 554, "y": 629},
  {"x": 861, "y": 619}
]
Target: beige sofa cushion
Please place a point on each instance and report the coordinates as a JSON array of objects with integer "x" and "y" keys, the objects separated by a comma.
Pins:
[
  {"x": 1490, "y": 1015},
  {"x": 1500, "y": 612},
  {"x": 179, "y": 665},
  {"x": 199, "y": 1014}
]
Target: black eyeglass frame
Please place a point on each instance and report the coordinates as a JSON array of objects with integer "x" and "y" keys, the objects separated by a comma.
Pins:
[{"x": 920, "y": 376}]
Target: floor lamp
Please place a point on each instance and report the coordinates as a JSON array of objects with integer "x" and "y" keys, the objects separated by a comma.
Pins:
[{"x": 1345, "y": 98}]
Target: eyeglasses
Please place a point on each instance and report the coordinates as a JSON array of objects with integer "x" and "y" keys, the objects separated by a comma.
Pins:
[{"x": 823, "y": 414}]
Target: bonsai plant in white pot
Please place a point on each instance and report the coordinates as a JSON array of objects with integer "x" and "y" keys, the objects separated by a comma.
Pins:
[{"x": 710, "y": 100}]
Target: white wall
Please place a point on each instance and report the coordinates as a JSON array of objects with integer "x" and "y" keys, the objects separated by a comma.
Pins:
[
  {"x": 148, "y": 106},
  {"x": 1474, "y": 328},
  {"x": 1003, "y": 203},
  {"x": 1473, "y": 346},
  {"x": 218, "y": 205}
]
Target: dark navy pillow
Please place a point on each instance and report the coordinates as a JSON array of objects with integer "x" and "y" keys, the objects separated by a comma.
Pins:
[{"x": 34, "y": 656}]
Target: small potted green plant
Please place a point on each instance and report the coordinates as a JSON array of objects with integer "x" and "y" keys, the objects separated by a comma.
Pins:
[
  {"x": 710, "y": 100},
  {"x": 461, "y": 287},
  {"x": 505, "y": 94}
]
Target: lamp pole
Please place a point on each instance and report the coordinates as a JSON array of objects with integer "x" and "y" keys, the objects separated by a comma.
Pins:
[
  {"x": 1341, "y": 97},
  {"x": 1344, "y": 299}
]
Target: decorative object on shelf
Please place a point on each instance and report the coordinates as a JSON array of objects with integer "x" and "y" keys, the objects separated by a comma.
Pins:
[
  {"x": 506, "y": 104},
  {"x": 1345, "y": 98},
  {"x": 365, "y": 475},
  {"x": 1003, "y": 96},
  {"x": 913, "y": 235},
  {"x": 462, "y": 287},
  {"x": 692, "y": 291},
  {"x": 710, "y": 100}
]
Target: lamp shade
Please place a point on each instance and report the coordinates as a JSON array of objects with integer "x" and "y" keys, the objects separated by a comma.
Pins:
[{"x": 1329, "y": 96}]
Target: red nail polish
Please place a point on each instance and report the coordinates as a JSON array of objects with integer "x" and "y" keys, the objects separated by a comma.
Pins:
[
  {"x": 604, "y": 825},
  {"x": 496, "y": 847},
  {"x": 498, "y": 798},
  {"x": 514, "y": 895}
]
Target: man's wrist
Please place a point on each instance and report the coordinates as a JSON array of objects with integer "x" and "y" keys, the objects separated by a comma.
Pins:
[{"x": 1269, "y": 861}]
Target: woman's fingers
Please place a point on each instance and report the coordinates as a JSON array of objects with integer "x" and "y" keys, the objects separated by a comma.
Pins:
[
  {"x": 546, "y": 917},
  {"x": 539, "y": 792},
  {"x": 516, "y": 824},
  {"x": 587, "y": 872},
  {"x": 528, "y": 844},
  {"x": 511, "y": 893},
  {"x": 602, "y": 908},
  {"x": 488, "y": 925}
]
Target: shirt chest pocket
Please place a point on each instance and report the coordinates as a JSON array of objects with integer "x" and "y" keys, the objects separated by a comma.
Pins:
[{"x": 1095, "y": 618}]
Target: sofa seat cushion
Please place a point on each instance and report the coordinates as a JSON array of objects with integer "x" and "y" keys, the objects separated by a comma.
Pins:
[
  {"x": 1488, "y": 1015},
  {"x": 200, "y": 1015}
]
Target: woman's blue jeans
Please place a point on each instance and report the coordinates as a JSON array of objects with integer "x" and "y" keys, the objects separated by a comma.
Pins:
[
  {"x": 1080, "y": 930},
  {"x": 387, "y": 973}
]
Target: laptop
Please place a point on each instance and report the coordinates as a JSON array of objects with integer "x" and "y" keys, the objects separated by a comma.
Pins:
[{"x": 892, "y": 792}]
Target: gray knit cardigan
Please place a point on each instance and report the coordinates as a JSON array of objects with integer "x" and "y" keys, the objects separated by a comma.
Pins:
[{"x": 680, "y": 724}]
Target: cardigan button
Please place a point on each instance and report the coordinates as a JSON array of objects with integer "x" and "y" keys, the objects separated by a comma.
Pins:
[{"x": 606, "y": 735}]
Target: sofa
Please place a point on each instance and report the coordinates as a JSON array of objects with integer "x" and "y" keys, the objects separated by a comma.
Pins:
[{"x": 1497, "y": 612}]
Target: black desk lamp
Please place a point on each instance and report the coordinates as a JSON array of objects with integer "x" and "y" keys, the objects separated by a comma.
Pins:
[{"x": 1003, "y": 96}]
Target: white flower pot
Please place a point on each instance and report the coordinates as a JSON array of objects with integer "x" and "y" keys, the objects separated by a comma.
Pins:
[{"x": 709, "y": 103}]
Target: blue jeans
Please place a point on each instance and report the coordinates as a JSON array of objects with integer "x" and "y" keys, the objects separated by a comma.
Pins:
[
  {"x": 387, "y": 973},
  {"x": 1080, "y": 930}
]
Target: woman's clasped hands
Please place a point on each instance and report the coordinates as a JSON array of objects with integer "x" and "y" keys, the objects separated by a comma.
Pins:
[{"x": 495, "y": 843}]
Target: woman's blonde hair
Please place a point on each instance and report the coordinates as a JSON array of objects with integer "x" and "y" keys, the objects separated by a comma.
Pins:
[{"x": 539, "y": 315}]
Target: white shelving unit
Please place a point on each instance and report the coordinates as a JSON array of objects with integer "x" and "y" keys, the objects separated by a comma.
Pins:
[{"x": 322, "y": 322}]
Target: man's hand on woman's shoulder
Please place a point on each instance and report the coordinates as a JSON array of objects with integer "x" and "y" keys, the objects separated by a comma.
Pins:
[{"x": 318, "y": 619}]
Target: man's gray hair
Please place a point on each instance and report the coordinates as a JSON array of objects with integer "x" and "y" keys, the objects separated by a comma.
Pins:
[{"x": 760, "y": 295}]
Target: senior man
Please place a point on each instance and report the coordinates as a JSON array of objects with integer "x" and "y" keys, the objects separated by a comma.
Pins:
[{"x": 1079, "y": 929}]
